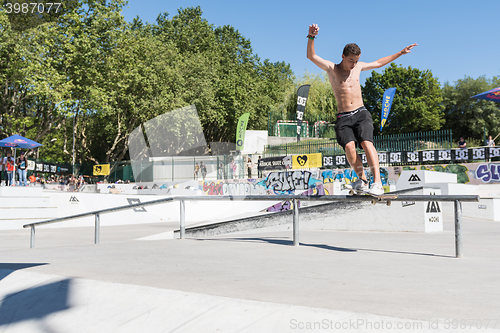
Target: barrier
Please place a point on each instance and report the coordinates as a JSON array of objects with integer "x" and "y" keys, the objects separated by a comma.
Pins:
[{"x": 457, "y": 199}]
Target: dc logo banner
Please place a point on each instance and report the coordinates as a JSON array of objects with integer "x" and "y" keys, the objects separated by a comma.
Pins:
[
  {"x": 382, "y": 157},
  {"x": 412, "y": 156},
  {"x": 444, "y": 155},
  {"x": 461, "y": 154},
  {"x": 328, "y": 161},
  {"x": 395, "y": 158},
  {"x": 479, "y": 153},
  {"x": 428, "y": 156},
  {"x": 340, "y": 160},
  {"x": 494, "y": 152}
]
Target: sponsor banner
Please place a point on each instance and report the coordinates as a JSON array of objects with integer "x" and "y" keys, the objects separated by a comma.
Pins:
[
  {"x": 275, "y": 163},
  {"x": 422, "y": 156},
  {"x": 51, "y": 168},
  {"x": 240, "y": 131},
  {"x": 302, "y": 94},
  {"x": 386, "y": 106},
  {"x": 307, "y": 161},
  {"x": 101, "y": 170}
]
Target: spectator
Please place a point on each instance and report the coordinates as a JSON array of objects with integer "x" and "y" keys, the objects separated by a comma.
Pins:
[
  {"x": 1, "y": 169},
  {"x": 233, "y": 168},
  {"x": 259, "y": 173},
  {"x": 230, "y": 170},
  {"x": 196, "y": 169},
  {"x": 32, "y": 180},
  {"x": 22, "y": 169},
  {"x": 490, "y": 143},
  {"x": 9, "y": 167},
  {"x": 72, "y": 184},
  {"x": 462, "y": 143},
  {"x": 203, "y": 170},
  {"x": 249, "y": 167},
  {"x": 220, "y": 172},
  {"x": 42, "y": 181}
]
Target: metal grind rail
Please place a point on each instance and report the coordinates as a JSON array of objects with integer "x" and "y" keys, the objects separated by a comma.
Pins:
[{"x": 457, "y": 199}]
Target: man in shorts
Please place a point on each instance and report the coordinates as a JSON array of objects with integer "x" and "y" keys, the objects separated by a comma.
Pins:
[{"x": 354, "y": 121}]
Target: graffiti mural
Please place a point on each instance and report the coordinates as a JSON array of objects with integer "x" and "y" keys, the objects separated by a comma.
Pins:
[
  {"x": 488, "y": 173},
  {"x": 232, "y": 188},
  {"x": 287, "y": 205},
  {"x": 212, "y": 188}
]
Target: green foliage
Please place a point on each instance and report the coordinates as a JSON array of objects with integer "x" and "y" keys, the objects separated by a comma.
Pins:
[
  {"x": 87, "y": 72},
  {"x": 470, "y": 117},
  {"x": 417, "y": 102}
]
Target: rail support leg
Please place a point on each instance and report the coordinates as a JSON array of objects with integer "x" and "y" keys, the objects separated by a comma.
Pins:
[
  {"x": 97, "y": 228},
  {"x": 182, "y": 229},
  {"x": 32, "y": 237},
  {"x": 295, "y": 222},
  {"x": 458, "y": 230}
]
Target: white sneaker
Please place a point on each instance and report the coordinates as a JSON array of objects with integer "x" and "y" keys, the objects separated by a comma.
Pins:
[
  {"x": 377, "y": 189},
  {"x": 358, "y": 185}
]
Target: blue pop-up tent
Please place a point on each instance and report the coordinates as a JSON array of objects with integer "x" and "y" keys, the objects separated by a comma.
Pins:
[
  {"x": 490, "y": 95},
  {"x": 16, "y": 141}
]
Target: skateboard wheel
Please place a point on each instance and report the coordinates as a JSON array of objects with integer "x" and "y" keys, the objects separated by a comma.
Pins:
[
  {"x": 389, "y": 203},
  {"x": 374, "y": 201}
]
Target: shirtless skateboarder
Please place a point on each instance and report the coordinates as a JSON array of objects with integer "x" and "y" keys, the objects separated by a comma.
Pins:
[{"x": 354, "y": 122}]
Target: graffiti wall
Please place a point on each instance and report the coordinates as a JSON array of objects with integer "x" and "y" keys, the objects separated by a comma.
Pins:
[{"x": 320, "y": 182}]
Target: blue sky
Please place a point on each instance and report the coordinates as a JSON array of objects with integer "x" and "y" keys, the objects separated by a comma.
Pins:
[{"x": 455, "y": 38}]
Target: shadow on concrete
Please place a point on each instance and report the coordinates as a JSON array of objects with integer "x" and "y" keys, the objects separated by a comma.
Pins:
[
  {"x": 411, "y": 253},
  {"x": 7, "y": 268},
  {"x": 35, "y": 303},
  {"x": 279, "y": 241}
]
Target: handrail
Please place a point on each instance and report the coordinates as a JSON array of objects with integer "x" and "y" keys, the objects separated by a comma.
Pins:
[{"x": 295, "y": 198}]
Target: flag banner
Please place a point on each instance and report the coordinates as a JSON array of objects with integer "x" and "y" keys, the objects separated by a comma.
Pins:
[
  {"x": 240, "y": 131},
  {"x": 302, "y": 94},
  {"x": 101, "y": 170},
  {"x": 307, "y": 161},
  {"x": 386, "y": 105}
]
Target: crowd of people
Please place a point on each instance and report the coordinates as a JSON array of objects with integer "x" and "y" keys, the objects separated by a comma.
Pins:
[{"x": 20, "y": 165}]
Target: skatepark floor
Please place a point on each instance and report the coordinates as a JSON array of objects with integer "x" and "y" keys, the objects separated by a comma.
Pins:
[{"x": 260, "y": 282}]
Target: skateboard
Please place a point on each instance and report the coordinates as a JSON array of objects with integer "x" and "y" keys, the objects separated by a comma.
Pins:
[{"x": 382, "y": 198}]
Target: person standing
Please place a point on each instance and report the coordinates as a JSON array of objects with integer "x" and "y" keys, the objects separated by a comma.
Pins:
[
  {"x": 9, "y": 168},
  {"x": 1, "y": 169},
  {"x": 354, "y": 124},
  {"x": 490, "y": 143},
  {"x": 249, "y": 167},
  {"x": 22, "y": 169},
  {"x": 196, "y": 170},
  {"x": 203, "y": 170}
]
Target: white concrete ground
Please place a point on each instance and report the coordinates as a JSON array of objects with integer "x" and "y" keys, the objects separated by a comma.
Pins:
[{"x": 352, "y": 281}]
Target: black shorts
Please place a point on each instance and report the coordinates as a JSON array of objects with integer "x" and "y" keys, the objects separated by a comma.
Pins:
[{"x": 357, "y": 127}]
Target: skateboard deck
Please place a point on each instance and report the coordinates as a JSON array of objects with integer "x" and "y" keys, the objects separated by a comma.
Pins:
[{"x": 385, "y": 198}]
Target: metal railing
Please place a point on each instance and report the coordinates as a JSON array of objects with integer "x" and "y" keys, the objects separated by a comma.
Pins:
[
  {"x": 383, "y": 143},
  {"x": 457, "y": 199}
]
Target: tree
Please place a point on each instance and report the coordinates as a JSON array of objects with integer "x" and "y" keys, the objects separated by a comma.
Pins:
[
  {"x": 417, "y": 104},
  {"x": 469, "y": 117}
]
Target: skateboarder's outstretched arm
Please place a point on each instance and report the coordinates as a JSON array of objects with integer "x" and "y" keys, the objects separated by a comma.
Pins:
[{"x": 311, "y": 53}]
